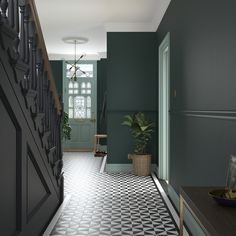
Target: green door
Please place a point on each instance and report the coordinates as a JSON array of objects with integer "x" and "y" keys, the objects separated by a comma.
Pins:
[{"x": 80, "y": 102}]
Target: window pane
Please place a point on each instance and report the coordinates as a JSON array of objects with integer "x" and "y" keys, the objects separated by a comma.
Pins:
[
  {"x": 79, "y": 107},
  {"x": 70, "y": 91},
  {"x": 89, "y": 113},
  {"x": 88, "y": 85},
  {"x": 83, "y": 85},
  {"x": 76, "y": 91},
  {"x": 88, "y": 101},
  {"x": 82, "y": 70},
  {"x": 70, "y": 85},
  {"x": 80, "y": 73},
  {"x": 70, "y": 113},
  {"x": 70, "y": 101},
  {"x": 88, "y": 91},
  {"x": 69, "y": 70},
  {"x": 87, "y": 68},
  {"x": 76, "y": 85},
  {"x": 83, "y": 91}
]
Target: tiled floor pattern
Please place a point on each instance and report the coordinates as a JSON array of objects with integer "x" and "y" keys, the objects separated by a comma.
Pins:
[
  {"x": 78, "y": 165},
  {"x": 110, "y": 204}
]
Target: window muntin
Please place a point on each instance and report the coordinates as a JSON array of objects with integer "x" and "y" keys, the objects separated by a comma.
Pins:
[{"x": 79, "y": 100}]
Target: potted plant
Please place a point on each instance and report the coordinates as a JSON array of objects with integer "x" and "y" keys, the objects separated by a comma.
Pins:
[
  {"x": 66, "y": 129},
  {"x": 141, "y": 129}
]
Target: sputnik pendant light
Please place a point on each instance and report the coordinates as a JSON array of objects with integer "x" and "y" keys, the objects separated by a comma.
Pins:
[{"x": 74, "y": 67}]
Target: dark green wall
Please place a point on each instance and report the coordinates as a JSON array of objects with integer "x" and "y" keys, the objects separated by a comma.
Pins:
[
  {"x": 57, "y": 70},
  {"x": 131, "y": 87},
  {"x": 203, "y": 72},
  {"x": 101, "y": 96}
]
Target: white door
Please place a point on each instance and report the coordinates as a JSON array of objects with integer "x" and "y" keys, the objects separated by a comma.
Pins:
[{"x": 164, "y": 88}]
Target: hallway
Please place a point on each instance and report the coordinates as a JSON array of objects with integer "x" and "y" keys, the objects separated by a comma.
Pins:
[{"x": 110, "y": 204}]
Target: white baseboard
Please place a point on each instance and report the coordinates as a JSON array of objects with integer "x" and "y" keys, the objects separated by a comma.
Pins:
[
  {"x": 56, "y": 216},
  {"x": 119, "y": 168},
  {"x": 103, "y": 166},
  {"x": 168, "y": 203}
]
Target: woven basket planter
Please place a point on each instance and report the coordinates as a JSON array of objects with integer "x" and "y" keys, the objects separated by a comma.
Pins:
[{"x": 141, "y": 164}]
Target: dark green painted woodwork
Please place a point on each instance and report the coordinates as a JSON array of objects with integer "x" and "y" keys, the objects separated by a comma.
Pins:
[
  {"x": 9, "y": 170},
  {"x": 57, "y": 70},
  {"x": 101, "y": 93},
  {"x": 202, "y": 70},
  {"x": 131, "y": 86},
  {"x": 30, "y": 164}
]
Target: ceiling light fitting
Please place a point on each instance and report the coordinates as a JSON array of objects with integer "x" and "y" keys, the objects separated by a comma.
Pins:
[{"x": 74, "y": 65}]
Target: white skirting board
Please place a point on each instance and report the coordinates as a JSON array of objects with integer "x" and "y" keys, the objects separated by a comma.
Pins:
[
  {"x": 56, "y": 216},
  {"x": 103, "y": 166},
  {"x": 168, "y": 203},
  {"x": 119, "y": 168}
]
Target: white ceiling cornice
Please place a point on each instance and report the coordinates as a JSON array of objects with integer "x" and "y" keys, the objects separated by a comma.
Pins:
[
  {"x": 93, "y": 19},
  {"x": 152, "y": 26},
  {"x": 161, "y": 8},
  {"x": 130, "y": 27},
  {"x": 93, "y": 57}
]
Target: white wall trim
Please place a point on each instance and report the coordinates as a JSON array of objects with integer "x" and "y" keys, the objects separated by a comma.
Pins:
[
  {"x": 164, "y": 104},
  {"x": 130, "y": 27},
  {"x": 56, "y": 216},
  {"x": 119, "y": 168},
  {"x": 161, "y": 7},
  {"x": 103, "y": 166},
  {"x": 93, "y": 57},
  {"x": 168, "y": 203}
]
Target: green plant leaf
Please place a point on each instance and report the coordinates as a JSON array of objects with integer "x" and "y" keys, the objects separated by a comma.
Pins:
[
  {"x": 141, "y": 129},
  {"x": 65, "y": 129},
  {"x": 126, "y": 123}
]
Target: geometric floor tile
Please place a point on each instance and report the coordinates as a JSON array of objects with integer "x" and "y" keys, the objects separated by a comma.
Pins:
[{"x": 110, "y": 204}]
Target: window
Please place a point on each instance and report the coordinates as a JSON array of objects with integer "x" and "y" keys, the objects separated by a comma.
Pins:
[
  {"x": 79, "y": 100},
  {"x": 87, "y": 68},
  {"x": 79, "y": 107},
  {"x": 86, "y": 88}
]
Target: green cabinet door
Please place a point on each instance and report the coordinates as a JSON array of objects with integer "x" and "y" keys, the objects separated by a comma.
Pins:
[{"x": 79, "y": 99}]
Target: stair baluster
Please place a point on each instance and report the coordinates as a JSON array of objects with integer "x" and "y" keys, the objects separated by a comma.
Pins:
[
  {"x": 35, "y": 108},
  {"x": 4, "y": 6}
]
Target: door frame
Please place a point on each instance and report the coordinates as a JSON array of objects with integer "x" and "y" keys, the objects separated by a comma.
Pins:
[
  {"x": 164, "y": 105},
  {"x": 64, "y": 90}
]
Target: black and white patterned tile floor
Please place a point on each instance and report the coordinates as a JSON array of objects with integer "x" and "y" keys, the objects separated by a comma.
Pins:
[{"x": 110, "y": 204}]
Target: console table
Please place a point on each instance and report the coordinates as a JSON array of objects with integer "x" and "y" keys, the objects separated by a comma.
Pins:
[{"x": 215, "y": 220}]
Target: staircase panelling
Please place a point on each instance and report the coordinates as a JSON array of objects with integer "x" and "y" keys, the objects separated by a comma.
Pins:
[{"x": 31, "y": 181}]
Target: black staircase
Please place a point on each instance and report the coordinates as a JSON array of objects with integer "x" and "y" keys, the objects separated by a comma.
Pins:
[{"x": 31, "y": 182}]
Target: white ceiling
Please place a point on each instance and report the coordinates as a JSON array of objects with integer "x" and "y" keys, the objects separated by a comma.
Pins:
[{"x": 92, "y": 19}]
